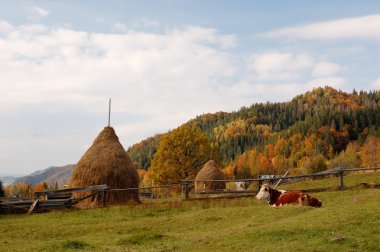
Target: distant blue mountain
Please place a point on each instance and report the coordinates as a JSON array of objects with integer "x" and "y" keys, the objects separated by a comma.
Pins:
[
  {"x": 7, "y": 180},
  {"x": 50, "y": 175}
]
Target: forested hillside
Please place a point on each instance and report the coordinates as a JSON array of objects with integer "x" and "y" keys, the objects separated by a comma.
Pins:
[{"x": 273, "y": 137}]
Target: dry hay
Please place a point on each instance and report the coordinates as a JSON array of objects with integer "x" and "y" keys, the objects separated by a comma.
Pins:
[
  {"x": 106, "y": 162},
  {"x": 210, "y": 171}
]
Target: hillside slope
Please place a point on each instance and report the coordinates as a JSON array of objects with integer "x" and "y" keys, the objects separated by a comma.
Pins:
[
  {"x": 323, "y": 120},
  {"x": 50, "y": 175}
]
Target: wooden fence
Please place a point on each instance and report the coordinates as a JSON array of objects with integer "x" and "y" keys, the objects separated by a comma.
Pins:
[
  {"x": 46, "y": 200},
  {"x": 188, "y": 185},
  {"x": 146, "y": 191},
  {"x": 50, "y": 200},
  {"x": 64, "y": 198}
]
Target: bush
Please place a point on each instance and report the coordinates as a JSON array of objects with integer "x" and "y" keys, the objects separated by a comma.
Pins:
[
  {"x": 315, "y": 163},
  {"x": 348, "y": 158}
]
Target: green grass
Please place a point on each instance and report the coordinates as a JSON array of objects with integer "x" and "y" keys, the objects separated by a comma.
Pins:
[
  {"x": 208, "y": 225},
  {"x": 75, "y": 244},
  {"x": 351, "y": 179}
]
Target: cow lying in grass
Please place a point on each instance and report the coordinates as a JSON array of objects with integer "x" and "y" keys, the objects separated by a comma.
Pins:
[{"x": 279, "y": 198}]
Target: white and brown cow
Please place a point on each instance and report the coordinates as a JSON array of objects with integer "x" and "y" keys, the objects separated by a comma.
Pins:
[{"x": 279, "y": 198}]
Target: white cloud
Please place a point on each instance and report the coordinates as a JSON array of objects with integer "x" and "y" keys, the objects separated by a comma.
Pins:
[
  {"x": 365, "y": 27},
  {"x": 120, "y": 27},
  {"x": 335, "y": 82},
  {"x": 36, "y": 13},
  {"x": 40, "y": 11},
  {"x": 376, "y": 84},
  {"x": 138, "y": 24},
  {"x": 154, "y": 71},
  {"x": 144, "y": 22},
  {"x": 5, "y": 27},
  {"x": 280, "y": 66},
  {"x": 326, "y": 69}
]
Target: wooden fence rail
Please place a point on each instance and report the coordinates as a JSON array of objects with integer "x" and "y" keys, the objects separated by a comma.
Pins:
[
  {"x": 53, "y": 199},
  {"x": 188, "y": 184},
  {"x": 71, "y": 190}
]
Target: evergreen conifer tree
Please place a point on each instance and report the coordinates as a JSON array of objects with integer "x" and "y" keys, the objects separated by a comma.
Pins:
[{"x": 2, "y": 192}]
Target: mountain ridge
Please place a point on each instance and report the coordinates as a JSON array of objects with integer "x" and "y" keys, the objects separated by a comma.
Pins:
[
  {"x": 51, "y": 175},
  {"x": 332, "y": 116}
]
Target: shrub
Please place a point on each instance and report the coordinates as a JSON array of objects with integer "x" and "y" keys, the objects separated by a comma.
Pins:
[
  {"x": 315, "y": 163},
  {"x": 348, "y": 158}
]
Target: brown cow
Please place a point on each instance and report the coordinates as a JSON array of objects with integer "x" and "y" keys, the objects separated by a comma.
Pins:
[{"x": 279, "y": 198}]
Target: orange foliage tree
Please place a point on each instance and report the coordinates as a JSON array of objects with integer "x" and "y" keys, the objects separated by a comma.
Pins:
[
  {"x": 370, "y": 152},
  {"x": 141, "y": 173},
  {"x": 20, "y": 190},
  {"x": 42, "y": 186}
]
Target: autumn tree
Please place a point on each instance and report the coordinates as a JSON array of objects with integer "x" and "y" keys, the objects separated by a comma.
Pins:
[
  {"x": 181, "y": 154},
  {"x": 371, "y": 152},
  {"x": 243, "y": 169},
  {"x": 2, "y": 192},
  {"x": 21, "y": 190},
  {"x": 230, "y": 171},
  {"x": 315, "y": 163},
  {"x": 141, "y": 173},
  {"x": 42, "y": 186},
  {"x": 349, "y": 158}
]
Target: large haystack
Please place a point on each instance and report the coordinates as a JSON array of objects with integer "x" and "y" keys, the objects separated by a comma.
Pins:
[
  {"x": 210, "y": 171},
  {"x": 106, "y": 162}
]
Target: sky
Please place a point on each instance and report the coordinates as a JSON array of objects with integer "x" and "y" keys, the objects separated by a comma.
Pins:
[{"x": 163, "y": 63}]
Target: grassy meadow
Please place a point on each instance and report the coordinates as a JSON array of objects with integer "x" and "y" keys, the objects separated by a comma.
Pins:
[{"x": 348, "y": 221}]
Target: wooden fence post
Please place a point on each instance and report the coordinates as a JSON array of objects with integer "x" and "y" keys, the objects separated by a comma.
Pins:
[
  {"x": 185, "y": 189},
  {"x": 104, "y": 198},
  {"x": 340, "y": 179},
  {"x": 259, "y": 182},
  {"x": 151, "y": 193}
]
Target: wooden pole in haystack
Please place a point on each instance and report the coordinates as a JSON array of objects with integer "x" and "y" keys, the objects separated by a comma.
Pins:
[{"x": 109, "y": 113}]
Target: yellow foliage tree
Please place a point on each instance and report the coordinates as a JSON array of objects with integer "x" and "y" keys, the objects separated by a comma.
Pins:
[
  {"x": 20, "y": 190},
  {"x": 180, "y": 155}
]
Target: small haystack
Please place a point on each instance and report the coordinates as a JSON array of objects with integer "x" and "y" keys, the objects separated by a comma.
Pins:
[
  {"x": 210, "y": 171},
  {"x": 106, "y": 162}
]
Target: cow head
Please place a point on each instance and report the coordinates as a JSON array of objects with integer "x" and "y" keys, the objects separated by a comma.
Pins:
[
  {"x": 307, "y": 200},
  {"x": 314, "y": 202},
  {"x": 264, "y": 192}
]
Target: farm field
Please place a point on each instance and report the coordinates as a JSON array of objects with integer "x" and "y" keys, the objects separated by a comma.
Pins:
[{"x": 348, "y": 221}]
